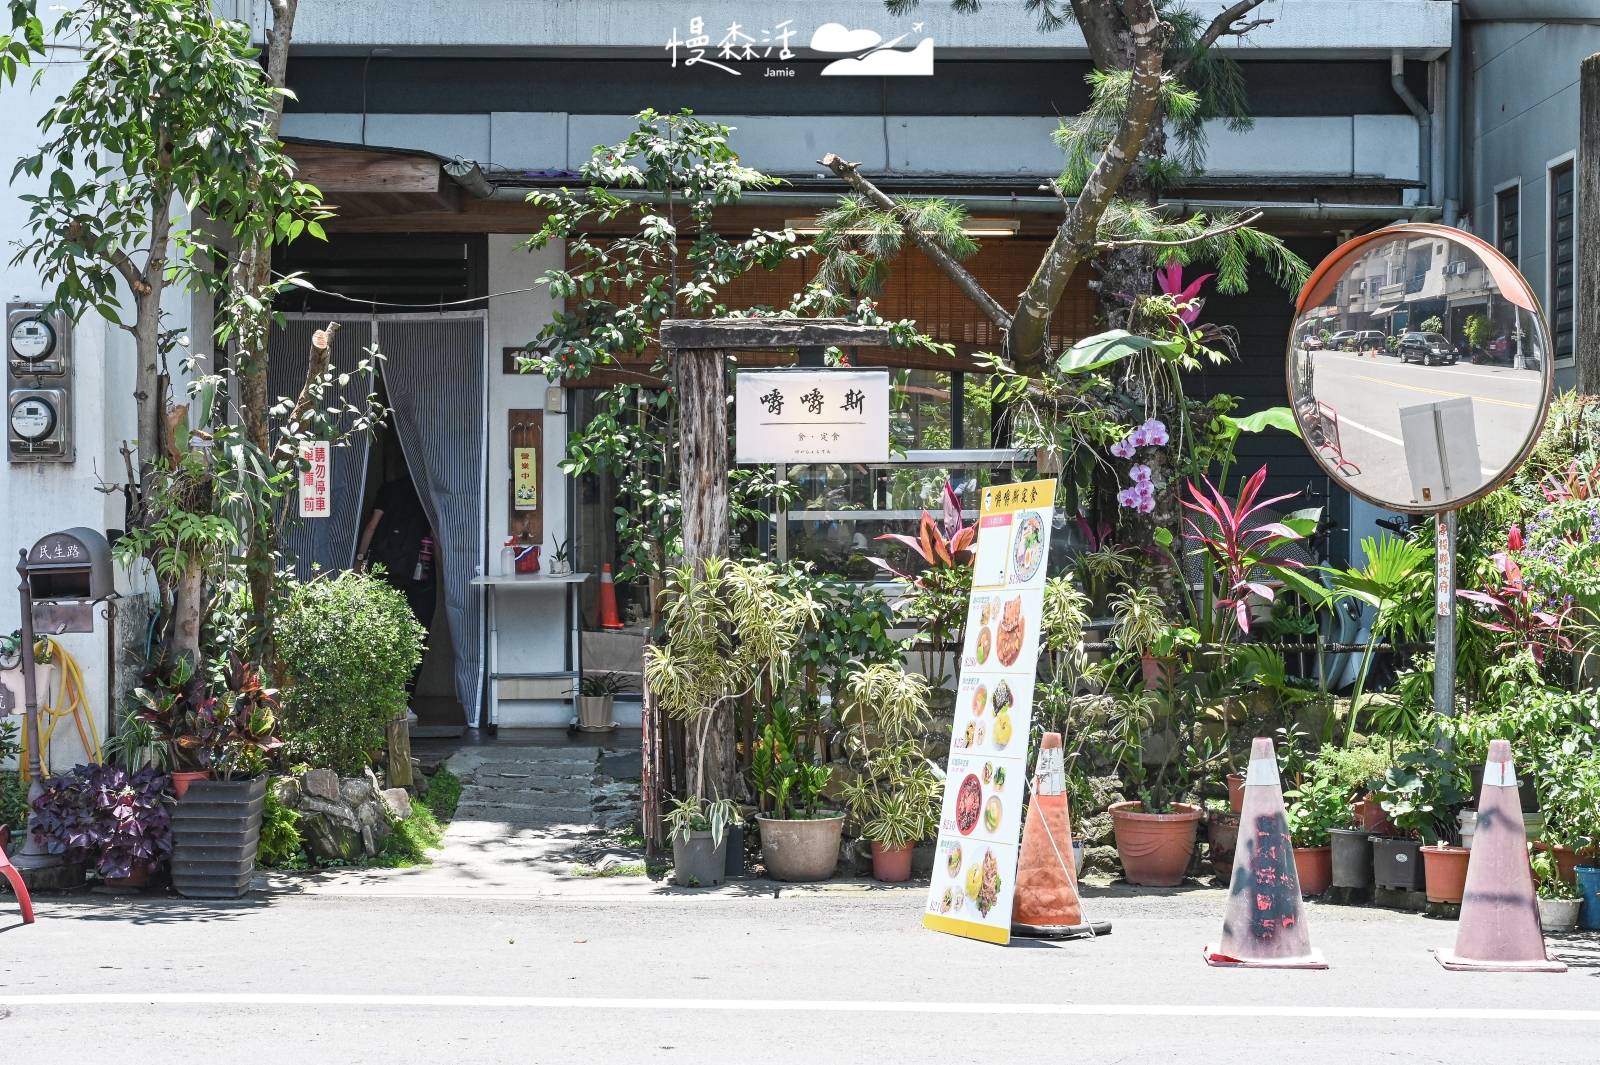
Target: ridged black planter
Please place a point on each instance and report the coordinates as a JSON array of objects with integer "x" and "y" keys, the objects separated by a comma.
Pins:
[{"x": 215, "y": 829}]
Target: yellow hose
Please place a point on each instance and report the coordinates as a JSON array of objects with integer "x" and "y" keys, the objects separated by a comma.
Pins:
[{"x": 74, "y": 704}]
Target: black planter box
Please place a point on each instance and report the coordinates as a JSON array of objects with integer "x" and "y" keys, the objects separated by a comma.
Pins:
[
  {"x": 216, "y": 827},
  {"x": 1397, "y": 863}
]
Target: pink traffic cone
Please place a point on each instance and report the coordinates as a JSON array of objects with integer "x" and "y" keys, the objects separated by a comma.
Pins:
[
  {"x": 1266, "y": 925},
  {"x": 1499, "y": 929}
]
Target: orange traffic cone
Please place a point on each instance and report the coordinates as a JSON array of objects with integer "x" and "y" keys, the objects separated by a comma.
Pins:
[
  {"x": 1499, "y": 929},
  {"x": 1266, "y": 925},
  {"x": 608, "y": 600},
  {"x": 1046, "y": 901}
]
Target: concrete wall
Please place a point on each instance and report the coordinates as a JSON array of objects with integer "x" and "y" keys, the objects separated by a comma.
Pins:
[
  {"x": 43, "y": 497},
  {"x": 509, "y": 27},
  {"x": 1522, "y": 118},
  {"x": 1378, "y": 145}
]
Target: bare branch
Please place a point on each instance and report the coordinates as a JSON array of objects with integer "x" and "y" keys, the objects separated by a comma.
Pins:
[
  {"x": 1107, "y": 245},
  {"x": 321, "y": 353},
  {"x": 130, "y": 273},
  {"x": 1066, "y": 204},
  {"x": 1222, "y": 26},
  {"x": 850, "y": 173},
  {"x": 278, "y": 36}
]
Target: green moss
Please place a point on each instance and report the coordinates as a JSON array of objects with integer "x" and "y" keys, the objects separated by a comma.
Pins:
[
  {"x": 444, "y": 792},
  {"x": 626, "y": 869}
]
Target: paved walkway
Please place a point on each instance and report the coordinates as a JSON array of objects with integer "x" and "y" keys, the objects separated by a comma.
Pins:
[{"x": 530, "y": 819}]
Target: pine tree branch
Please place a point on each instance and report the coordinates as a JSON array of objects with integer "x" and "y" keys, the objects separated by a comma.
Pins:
[
  {"x": 850, "y": 173},
  {"x": 1107, "y": 245},
  {"x": 1222, "y": 26}
]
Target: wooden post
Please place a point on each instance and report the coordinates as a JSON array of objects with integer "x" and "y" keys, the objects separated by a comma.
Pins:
[
  {"x": 399, "y": 735},
  {"x": 1586, "y": 290}
]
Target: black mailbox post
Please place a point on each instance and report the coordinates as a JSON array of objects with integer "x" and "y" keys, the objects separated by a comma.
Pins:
[{"x": 64, "y": 576}]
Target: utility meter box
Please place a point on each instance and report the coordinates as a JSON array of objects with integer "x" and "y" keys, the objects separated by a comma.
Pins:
[
  {"x": 68, "y": 573},
  {"x": 38, "y": 385}
]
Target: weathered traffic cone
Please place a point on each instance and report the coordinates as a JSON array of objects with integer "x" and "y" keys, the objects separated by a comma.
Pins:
[
  {"x": 1499, "y": 929},
  {"x": 1046, "y": 901},
  {"x": 608, "y": 600},
  {"x": 1266, "y": 924}
]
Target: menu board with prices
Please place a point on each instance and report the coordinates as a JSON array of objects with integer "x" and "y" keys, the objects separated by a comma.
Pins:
[{"x": 980, "y": 825}]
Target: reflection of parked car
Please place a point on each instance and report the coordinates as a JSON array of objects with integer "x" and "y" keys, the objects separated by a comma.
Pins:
[
  {"x": 1367, "y": 340},
  {"x": 1340, "y": 340},
  {"x": 1426, "y": 348},
  {"x": 1312, "y": 343}
]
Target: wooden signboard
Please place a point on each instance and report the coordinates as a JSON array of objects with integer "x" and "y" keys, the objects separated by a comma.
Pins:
[{"x": 526, "y": 444}]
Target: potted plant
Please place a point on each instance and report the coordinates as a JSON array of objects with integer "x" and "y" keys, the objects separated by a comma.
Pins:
[
  {"x": 726, "y": 630},
  {"x": 1318, "y": 806},
  {"x": 1140, "y": 626},
  {"x": 100, "y": 813},
  {"x": 799, "y": 839},
  {"x": 937, "y": 597},
  {"x": 560, "y": 557},
  {"x": 1559, "y": 901},
  {"x": 160, "y": 705},
  {"x": 595, "y": 698},
  {"x": 1417, "y": 794},
  {"x": 699, "y": 834},
  {"x": 895, "y": 797},
  {"x": 1574, "y": 782},
  {"x": 216, "y": 826}
]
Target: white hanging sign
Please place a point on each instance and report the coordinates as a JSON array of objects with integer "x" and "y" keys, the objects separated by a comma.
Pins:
[
  {"x": 812, "y": 415},
  {"x": 316, "y": 482}
]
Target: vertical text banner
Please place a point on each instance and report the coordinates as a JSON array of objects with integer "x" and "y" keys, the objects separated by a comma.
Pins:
[
  {"x": 316, "y": 482},
  {"x": 525, "y": 476},
  {"x": 975, "y": 869},
  {"x": 812, "y": 415}
]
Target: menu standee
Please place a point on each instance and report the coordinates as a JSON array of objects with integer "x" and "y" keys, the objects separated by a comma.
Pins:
[{"x": 980, "y": 826}]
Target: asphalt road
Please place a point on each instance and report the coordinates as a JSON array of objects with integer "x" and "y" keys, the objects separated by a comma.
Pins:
[
  {"x": 845, "y": 975},
  {"x": 1367, "y": 393}
]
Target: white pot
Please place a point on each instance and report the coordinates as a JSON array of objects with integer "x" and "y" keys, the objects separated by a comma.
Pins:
[
  {"x": 594, "y": 713},
  {"x": 1559, "y": 915},
  {"x": 1468, "y": 820},
  {"x": 1077, "y": 857}
]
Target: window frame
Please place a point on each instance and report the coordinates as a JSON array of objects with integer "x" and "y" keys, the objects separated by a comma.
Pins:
[{"x": 1567, "y": 162}]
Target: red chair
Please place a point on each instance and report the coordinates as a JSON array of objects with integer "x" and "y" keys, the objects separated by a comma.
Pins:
[{"x": 15, "y": 877}]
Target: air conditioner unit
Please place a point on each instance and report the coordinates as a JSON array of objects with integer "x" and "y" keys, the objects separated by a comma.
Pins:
[{"x": 1456, "y": 269}]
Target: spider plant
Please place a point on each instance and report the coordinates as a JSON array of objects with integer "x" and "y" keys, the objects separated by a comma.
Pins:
[{"x": 896, "y": 795}]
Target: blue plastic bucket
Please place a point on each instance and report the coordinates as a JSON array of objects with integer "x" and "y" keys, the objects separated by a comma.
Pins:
[{"x": 1589, "y": 888}]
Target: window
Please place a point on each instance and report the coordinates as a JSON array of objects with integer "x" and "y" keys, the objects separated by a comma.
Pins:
[
  {"x": 1563, "y": 260},
  {"x": 1507, "y": 221}
]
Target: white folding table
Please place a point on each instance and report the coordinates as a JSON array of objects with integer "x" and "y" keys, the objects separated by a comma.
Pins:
[{"x": 573, "y": 659}]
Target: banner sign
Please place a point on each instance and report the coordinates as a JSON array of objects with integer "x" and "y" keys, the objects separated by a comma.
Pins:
[
  {"x": 975, "y": 868},
  {"x": 316, "y": 482},
  {"x": 812, "y": 415},
  {"x": 525, "y": 477}
]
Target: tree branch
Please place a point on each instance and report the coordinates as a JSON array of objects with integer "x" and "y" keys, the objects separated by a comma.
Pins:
[
  {"x": 278, "y": 36},
  {"x": 130, "y": 273},
  {"x": 1223, "y": 26},
  {"x": 850, "y": 173},
  {"x": 1074, "y": 241},
  {"x": 1066, "y": 204},
  {"x": 1107, "y": 245},
  {"x": 321, "y": 353}
]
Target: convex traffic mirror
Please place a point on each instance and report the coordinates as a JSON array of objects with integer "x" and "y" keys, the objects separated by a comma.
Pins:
[{"x": 1419, "y": 367}]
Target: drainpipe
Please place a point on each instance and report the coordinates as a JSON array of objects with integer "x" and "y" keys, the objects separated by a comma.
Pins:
[
  {"x": 1452, "y": 120},
  {"x": 1397, "y": 79}
]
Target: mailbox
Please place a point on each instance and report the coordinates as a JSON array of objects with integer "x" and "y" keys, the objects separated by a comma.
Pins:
[{"x": 68, "y": 573}]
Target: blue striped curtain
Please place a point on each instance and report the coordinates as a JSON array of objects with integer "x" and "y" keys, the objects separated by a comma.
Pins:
[
  {"x": 324, "y": 544},
  {"x": 434, "y": 370}
]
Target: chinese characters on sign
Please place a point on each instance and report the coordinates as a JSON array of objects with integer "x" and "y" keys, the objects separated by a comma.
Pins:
[
  {"x": 525, "y": 477},
  {"x": 734, "y": 46},
  {"x": 316, "y": 480},
  {"x": 812, "y": 415},
  {"x": 865, "y": 52},
  {"x": 59, "y": 549}
]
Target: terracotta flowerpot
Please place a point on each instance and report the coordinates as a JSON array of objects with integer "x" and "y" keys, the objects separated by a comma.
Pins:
[
  {"x": 1445, "y": 870},
  {"x": 1236, "y": 792},
  {"x": 1222, "y": 832},
  {"x": 184, "y": 777},
  {"x": 1566, "y": 860},
  {"x": 800, "y": 851},
  {"x": 1372, "y": 816},
  {"x": 1158, "y": 672},
  {"x": 139, "y": 873},
  {"x": 1314, "y": 868},
  {"x": 1154, "y": 848},
  {"x": 891, "y": 864}
]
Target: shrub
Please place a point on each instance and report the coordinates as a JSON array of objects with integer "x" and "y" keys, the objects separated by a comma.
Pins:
[
  {"x": 13, "y": 795},
  {"x": 347, "y": 646},
  {"x": 280, "y": 834}
]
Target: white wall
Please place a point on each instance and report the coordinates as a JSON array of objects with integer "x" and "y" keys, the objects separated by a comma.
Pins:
[
  {"x": 43, "y": 497},
  {"x": 532, "y": 621}
]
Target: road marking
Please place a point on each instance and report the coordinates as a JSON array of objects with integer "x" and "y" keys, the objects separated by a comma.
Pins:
[
  {"x": 1439, "y": 392},
  {"x": 761, "y": 1005},
  {"x": 1343, "y": 421}
]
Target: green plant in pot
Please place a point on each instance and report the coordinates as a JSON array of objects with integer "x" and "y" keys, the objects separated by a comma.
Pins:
[
  {"x": 896, "y": 796},
  {"x": 1317, "y": 807},
  {"x": 1417, "y": 793},
  {"x": 727, "y": 632},
  {"x": 596, "y": 696},
  {"x": 799, "y": 839}
]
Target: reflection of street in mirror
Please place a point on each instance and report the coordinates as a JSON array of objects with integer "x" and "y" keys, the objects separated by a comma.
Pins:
[{"x": 1418, "y": 367}]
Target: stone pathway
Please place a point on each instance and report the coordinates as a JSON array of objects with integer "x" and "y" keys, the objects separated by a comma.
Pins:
[{"x": 528, "y": 817}]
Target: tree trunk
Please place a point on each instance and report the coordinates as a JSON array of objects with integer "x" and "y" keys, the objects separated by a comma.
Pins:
[
  {"x": 398, "y": 736},
  {"x": 188, "y": 598},
  {"x": 703, "y": 485},
  {"x": 1586, "y": 292}
]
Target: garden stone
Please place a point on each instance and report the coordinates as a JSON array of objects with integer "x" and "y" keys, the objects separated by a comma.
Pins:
[
  {"x": 287, "y": 791},
  {"x": 331, "y": 838},
  {"x": 1102, "y": 860},
  {"x": 355, "y": 791},
  {"x": 338, "y": 811},
  {"x": 323, "y": 783},
  {"x": 399, "y": 802}
]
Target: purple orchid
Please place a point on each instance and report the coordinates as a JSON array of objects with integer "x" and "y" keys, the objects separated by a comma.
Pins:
[
  {"x": 1123, "y": 448},
  {"x": 1170, "y": 278},
  {"x": 1155, "y": 432},
  {"x": 1140, "y": 474}
]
